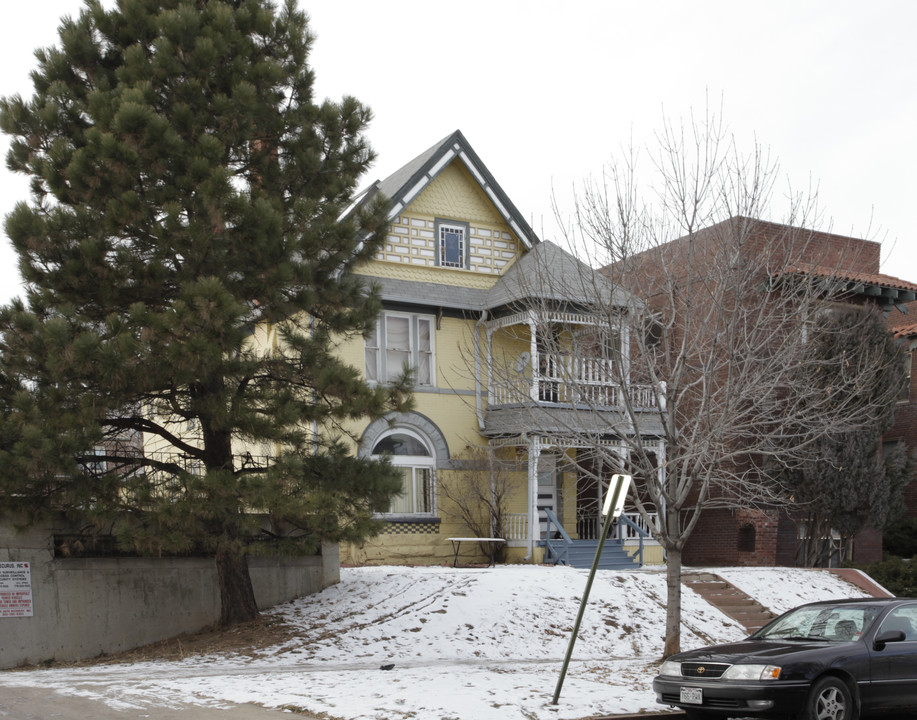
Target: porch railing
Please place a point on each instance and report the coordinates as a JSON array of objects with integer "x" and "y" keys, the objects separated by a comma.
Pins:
[
  {"x": 515, "y": 526},
  {"x": 588, "y": 528},
  {"x": 517, "y": 392},
  {"x": 570, "y": 380}
]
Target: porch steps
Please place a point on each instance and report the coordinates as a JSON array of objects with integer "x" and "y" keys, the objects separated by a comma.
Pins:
[
  {"x": 729, "y": 600},
  {"x": 581, "y": 554}
]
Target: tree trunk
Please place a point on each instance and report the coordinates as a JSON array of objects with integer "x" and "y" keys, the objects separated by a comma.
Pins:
[
  {"x": 673, "y": 603},
  {"x": 237, "y": 597}
]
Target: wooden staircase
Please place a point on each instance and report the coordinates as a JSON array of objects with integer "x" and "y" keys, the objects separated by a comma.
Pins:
[
  {"x": 729, "y": 600},
  {"x": 581, "y": 554}
]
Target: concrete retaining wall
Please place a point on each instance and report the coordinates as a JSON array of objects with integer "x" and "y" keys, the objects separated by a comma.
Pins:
[{"x": 83, "y": 607}]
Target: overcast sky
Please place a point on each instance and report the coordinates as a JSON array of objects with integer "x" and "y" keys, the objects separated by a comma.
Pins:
[{"x": 547, "y": 94}]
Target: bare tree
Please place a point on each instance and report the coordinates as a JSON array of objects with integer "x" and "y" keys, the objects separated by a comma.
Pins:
[
  {"x": 478, "y": 494},
  {"x": 689, "y": 371}
]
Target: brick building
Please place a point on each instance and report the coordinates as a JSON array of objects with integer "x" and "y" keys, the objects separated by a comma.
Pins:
[
  {"x": 904, "y": 326},
  {"x": 759, "y": 537}
]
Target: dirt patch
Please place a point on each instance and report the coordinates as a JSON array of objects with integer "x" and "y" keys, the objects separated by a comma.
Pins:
[{"x": 249, "y": 639}]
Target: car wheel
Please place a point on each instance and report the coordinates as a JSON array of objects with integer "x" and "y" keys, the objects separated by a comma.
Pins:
[{"x": 830, "y": 699}]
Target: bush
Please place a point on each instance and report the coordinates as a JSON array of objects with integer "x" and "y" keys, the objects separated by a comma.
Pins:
[
  {"x": 895, "y": 574},
  {"x": 900, "y": 538}
]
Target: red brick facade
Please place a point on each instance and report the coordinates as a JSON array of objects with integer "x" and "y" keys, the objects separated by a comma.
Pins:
[
  {"x": 752, "y": 537},
  {"x": 740, "y": 537}
]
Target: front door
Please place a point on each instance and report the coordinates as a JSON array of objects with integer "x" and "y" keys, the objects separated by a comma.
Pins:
[
  {"x": 593, "y": 476},
  {"x": 547, "y": 491}
]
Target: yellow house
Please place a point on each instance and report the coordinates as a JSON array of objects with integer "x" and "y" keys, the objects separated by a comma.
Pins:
[{"x": 499, "y": 328}]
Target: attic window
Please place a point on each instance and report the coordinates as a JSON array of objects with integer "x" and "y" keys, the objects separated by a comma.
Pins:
[{"x": 451, "y": 244}]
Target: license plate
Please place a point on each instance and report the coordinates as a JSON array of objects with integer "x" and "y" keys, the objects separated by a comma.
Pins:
[{"x": 693, "y": 696}]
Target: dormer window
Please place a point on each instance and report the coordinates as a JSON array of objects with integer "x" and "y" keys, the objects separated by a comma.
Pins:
[{"x": 451, "y": 244}]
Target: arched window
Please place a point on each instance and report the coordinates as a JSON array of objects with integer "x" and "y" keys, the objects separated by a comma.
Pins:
[{"x": 410, "y": 453}]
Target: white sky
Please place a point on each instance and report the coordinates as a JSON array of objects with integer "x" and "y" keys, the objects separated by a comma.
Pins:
[
  {"x": 546, "y": 94},
  {"x": 481, "y": 643}
]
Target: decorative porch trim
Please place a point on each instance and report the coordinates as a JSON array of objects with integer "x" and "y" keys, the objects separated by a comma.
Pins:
[
  {"x": 554, "y": 441},
  {"x": 527, "y": 317}
]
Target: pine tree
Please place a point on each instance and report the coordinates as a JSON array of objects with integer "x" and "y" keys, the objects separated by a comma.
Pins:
[
  {"x": 850, "y": 483},
  {"x": 187, "y": 191}
]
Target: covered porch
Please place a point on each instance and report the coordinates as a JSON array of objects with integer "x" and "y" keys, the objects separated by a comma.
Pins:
[{"x": 565, "y": 490}]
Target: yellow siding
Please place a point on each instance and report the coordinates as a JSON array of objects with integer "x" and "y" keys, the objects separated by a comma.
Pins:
[
  {"x": 409, "y": 253},
  {"x": 451, "y": 403},
  {"x": 410, "y": 243},
  {"x": 456, "y": 194}
]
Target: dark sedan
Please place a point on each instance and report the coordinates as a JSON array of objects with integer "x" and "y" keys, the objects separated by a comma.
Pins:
[{"x": 828, "y": 660}]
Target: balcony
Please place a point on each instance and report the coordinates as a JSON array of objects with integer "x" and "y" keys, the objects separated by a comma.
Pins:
[{"x": 569, "y": 381}]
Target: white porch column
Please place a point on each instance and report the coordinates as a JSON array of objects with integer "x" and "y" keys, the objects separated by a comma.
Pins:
[
  {"x": 536, "y": 361},
  {"x": 661, "y": 478},
  {"x": 490, "y": 367},
  {"x": 534, "y": 449}
]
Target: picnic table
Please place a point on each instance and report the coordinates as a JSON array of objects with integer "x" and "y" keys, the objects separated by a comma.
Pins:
[{"x": 457, "y": 545}]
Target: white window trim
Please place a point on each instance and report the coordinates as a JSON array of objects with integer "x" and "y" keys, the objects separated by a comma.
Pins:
[
  {"x": 464, "y": 230},
  {"x": 415, "y": 462},
  {"x": 380, "y": 349}
]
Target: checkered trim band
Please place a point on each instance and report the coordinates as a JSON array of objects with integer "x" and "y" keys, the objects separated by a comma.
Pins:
[{"x": 412, "y": 527}]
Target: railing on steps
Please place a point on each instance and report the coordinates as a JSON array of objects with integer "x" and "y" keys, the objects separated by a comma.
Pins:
[
  {"x": 631, "y": 528},
  {"x": 552, "y": 554},
  {"x": 558, "y": 553}
]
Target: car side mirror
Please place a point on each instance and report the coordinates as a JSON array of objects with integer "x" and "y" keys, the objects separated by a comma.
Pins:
[{"x": 887, "y": 637}]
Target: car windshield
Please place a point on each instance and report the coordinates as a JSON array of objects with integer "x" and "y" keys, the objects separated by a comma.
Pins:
[{"x": 831, "y": 623}]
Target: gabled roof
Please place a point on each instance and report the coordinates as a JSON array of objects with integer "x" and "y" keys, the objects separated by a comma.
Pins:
[
  {"x": 406, "y": 183},
  {"x": 548, "y": 272}
]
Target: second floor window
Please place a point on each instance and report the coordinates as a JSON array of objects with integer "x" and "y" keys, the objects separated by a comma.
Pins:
[{"x": 401, "y": 340}]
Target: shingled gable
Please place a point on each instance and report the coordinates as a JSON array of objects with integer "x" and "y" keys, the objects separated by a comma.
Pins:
[{"x": 406, "y": 183}]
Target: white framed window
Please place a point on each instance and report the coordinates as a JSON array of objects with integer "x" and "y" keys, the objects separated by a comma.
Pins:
[
  {"x": 451, "y": 244},
  {"x": 411, "y": 454},
  {"x": 401, "y": 340}
]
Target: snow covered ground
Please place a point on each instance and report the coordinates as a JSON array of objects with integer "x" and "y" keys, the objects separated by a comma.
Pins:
[{"x": 437, "y": 643}]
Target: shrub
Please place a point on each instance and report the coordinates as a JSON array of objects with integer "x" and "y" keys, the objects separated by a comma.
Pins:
[
  {"x": 895, "y": 574},
  {"x": 900, "y": 538}
]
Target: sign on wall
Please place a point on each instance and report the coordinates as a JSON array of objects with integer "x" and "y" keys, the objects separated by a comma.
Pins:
[{"x": 15, "y": 589}]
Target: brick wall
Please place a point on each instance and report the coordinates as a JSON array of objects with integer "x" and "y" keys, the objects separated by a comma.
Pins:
[{"x": 734, "y": 537}]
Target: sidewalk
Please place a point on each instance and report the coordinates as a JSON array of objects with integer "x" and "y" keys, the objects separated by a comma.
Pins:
[{"x": 29, "y": 703}]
